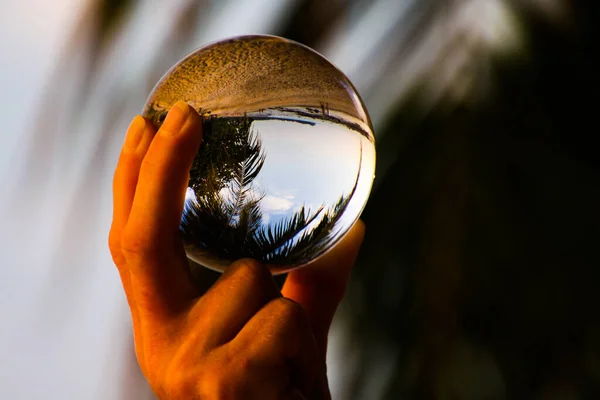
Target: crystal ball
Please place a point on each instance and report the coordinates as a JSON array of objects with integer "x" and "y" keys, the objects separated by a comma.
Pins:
[{"x": 287, "y": 158}]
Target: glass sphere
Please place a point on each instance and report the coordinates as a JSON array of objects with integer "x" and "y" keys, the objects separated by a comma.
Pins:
[{"x": 287, "y": 157}]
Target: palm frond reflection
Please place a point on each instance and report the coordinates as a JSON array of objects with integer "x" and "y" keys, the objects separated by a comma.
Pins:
[{"x": 223, "y": 219}]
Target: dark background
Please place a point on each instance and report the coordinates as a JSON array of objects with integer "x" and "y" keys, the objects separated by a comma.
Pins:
[{"x": 477, "y": 278}]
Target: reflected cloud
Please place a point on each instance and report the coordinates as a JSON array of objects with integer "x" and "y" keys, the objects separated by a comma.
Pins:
[{"x": 274, "y": 204}]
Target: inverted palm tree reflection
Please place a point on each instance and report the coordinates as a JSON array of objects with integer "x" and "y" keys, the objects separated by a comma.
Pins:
[{"x": 223, "y": 220}]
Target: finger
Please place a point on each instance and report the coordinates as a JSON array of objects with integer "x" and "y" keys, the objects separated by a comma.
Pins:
[
  {"x": 137, "y": 141},
  {"x": 278, "y": 335},
  {"x": 150, "y": 241},
  {"x": 164, "y": 175},
  {"x": 243, "y": 289},
  {"x": 319, "y": 287}
]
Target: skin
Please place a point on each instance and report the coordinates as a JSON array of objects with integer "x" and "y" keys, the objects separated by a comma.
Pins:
[{"x": 243, "y": 338}]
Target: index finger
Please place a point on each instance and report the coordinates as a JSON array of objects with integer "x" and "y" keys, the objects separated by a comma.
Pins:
[
  {"x": 164, "y": 175},
  {"x": 137, "y": 141},
  {"x": 151, "y": 244}
]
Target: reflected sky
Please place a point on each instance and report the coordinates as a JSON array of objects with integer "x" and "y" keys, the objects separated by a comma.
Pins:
[
  {"x": 279, "y": 186},
  {"x": 305, "y": 165}
]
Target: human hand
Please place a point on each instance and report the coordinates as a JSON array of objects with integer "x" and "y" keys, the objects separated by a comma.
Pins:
[{"x": 243, "y": 339}]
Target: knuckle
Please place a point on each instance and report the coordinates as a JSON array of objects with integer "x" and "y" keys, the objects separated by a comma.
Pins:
[
  {"x": 177, "y": 385},
  {"x": 289, "y": 310},
  {"x": 162, "y": 163},
  {"x": 163, "y": 150},
  {"x": 151, "y": 164},
  {"x": 234, "y": 358},
  {"x": 289, "y": 324},
  {"x": 133, "y": 244},
  {"x": 114, "y": 244},
  {"x": 216, "y": 383}
]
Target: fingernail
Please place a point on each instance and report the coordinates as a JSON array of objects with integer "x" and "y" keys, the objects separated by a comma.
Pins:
[
  {"x": 134, "y": 134},
  {"x": 176, "y": 118}
]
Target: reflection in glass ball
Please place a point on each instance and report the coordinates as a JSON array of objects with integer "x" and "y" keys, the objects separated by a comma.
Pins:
[{"x": 287, "y": 159}]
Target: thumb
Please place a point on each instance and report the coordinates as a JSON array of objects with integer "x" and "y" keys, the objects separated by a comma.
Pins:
[{"x": 320, "y": 286}]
